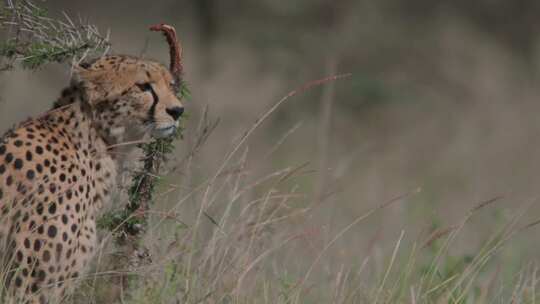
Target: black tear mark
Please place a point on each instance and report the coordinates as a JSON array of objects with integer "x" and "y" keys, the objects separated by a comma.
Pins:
[{"x": 147, "y": 87}]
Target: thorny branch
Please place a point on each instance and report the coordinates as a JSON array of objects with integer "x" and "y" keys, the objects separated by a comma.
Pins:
[
  {"x": 132, "y": 220},
  {"x": 35, "y": 39}
]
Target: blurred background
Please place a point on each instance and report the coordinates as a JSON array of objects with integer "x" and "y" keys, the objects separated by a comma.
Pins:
[{"x": 443, "y": 97}]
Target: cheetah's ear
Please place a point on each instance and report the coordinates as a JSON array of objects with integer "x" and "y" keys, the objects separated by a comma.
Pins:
[{"x": 87, "y": 79}]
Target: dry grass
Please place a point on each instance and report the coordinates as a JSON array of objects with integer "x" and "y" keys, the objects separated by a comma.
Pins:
[{"x": 227, "y": 238}]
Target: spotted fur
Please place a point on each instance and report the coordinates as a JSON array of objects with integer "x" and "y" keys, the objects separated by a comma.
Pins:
[{"x": 57, "y": 171}]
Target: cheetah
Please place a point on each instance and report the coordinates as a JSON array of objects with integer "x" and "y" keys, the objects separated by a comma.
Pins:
[{"x": 57, "y": 171}]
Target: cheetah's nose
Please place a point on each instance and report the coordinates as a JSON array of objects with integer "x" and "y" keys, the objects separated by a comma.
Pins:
[{"x": 175, "y": 112}]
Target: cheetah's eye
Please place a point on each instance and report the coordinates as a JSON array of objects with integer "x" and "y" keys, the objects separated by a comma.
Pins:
[{"x": 145, "y": 87}]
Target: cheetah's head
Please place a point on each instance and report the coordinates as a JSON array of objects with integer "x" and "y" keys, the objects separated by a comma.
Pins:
[{"x": 127, "y": 93}]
